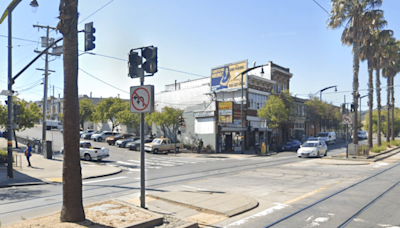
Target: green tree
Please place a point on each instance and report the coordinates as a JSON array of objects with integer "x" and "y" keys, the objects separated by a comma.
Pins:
[
  {"x": 352, "y": 15},
  {"x": 131, "y": 120},
  {"x": 60, "y": 117},
  {"x": 369, "y": 48},
  {"x": 276, "y": 112},
  {"x": 72, "y": 208},
  {"x": 384, "y": 122},
  {"x": 107, "y": 110},
  {"x": 169, "y": 117},
  {"x": 314, "y": 111},
  {"x": 86, "y": 108}
]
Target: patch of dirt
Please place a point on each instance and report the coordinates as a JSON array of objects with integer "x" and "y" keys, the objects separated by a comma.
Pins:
[{"x": 105, "y": 214}]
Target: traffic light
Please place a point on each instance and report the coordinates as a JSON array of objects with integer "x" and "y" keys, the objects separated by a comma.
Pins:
[
  {"x": 134, "y": 62},
  {"x": 352, "y": 109},
  {"x": 343, "y": 108},
  {"x": 17, "y": 112},
  {"x": 181, "y": 120},
  {"x": 150, "y": 66},
  {"x": 89, "y": 37}
]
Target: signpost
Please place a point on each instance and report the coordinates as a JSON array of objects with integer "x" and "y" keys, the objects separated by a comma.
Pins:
[{"x": 142, "y": 98}]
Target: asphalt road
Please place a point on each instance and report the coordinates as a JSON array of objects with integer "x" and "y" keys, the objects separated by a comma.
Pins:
[{"x": 282, "y": 184}]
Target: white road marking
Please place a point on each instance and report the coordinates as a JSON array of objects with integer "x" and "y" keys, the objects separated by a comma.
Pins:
[
  {"x": 270, "y": 210},
  {"x": 116, "y": 178},
  {"x": 379, "y": 164},
  {"x": 201, "y": 189}
]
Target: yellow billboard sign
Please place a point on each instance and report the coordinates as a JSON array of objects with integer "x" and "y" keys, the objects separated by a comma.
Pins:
[
  {"x": 228, "y": 76},
  {"x": 225, "y": 112}
]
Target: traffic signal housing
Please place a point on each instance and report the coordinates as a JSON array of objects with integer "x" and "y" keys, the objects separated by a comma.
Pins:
[
  {"x": 181, "y": 120},
  {"x": 150, "y": 66},
  {"x": 134, "y": 62},
  {"x": 16, "y": 113},
  {"x": 89, "y": 37},
  {"x": 352, "y": 108}
]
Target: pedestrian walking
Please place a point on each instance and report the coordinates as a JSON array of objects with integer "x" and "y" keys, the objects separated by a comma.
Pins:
[
  {"x": 199, "y": 145},
  {"x": 28, "y": 153}
]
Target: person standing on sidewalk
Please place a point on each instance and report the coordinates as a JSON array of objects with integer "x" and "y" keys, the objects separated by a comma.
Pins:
[{"x": 28, "y": 153}]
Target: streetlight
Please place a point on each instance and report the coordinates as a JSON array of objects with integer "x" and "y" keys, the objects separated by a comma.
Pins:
[
  {"x": 8, "y": 12},
  {"x": 241, "y": 113},
  {"x": 360, "y": 105},
  {"x": 320, "y": 98}
]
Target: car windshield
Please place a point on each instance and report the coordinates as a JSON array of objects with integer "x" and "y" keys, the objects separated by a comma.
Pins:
[
  {"x": 157, "y": 141},
  {"x": 290, "y": 142},
  {"x": 310, "y": 144},
  {"x": 322, "y": 135},
  {"x": 137, "y": 141}
]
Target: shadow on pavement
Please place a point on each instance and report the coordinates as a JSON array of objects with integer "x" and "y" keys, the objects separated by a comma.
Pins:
[{"x": 18, "y": 178}]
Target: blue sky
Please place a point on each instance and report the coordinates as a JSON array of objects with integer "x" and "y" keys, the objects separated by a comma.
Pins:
[{"x": 192, "y": 37}]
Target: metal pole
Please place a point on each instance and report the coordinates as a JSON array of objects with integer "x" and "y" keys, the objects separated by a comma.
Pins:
[
  {"x": 9, "y": 102},
  {"x": 320, "y": 118},
  {"x": 242, "y": 121},
  {"x": 142, "y": 170},
  {"x": 45, "y": 93}
]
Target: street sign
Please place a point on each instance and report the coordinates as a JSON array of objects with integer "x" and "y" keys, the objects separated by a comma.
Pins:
[
  {"x": 142, "y": 99},
  {"x": 347, "y": 119}
]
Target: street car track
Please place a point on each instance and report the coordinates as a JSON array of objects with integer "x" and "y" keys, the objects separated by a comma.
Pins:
[
  {"x": 208, "y": 173},
  {"x": 338, "y": 192}
]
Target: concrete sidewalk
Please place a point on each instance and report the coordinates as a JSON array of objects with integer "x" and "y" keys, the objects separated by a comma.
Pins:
[{"x": 43, "y": 170}]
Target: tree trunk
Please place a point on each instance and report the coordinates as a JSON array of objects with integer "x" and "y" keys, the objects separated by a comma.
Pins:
[
  {"x": 378, "y": 99},
  {"x": 356, "y": 67},
  {"x": 388, "y": 111},
  {"x": 370, "y": 102},
  {"x": 72, "y": 208},
  {"x": 392, "y": 106}
]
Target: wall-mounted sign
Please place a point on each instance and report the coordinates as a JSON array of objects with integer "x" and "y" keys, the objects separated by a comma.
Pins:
[
  {"x": 203, "y": 114},
  {"x": 225, "y": 112},
  {"x": 228, "y": 76}
]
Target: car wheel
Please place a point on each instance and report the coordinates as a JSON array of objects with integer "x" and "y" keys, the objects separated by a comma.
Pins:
[
  {"x": 99, "y": 139},
  {"x": 326, "y": 152},
  {"x": 155, "y": 151},
  {"x": 88, "y": 157}
]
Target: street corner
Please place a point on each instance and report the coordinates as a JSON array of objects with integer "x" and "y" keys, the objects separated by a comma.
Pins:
[
  {"x": 93, "y": 170},
  {"x": 55, "y": 179}
]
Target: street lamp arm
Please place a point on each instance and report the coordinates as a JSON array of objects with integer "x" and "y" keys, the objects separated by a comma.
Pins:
[
  {"x": 322, "y": 90},
  {"x": 36, "y": 58},
  {"x": 10, "y": 8},
  {"x": 247, "y": 70}
]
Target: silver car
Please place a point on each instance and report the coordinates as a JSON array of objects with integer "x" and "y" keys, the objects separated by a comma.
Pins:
[{"x": 314, "y": 148}]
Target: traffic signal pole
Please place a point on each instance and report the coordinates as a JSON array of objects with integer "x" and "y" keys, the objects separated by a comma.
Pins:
[{"x": 142, "y": 170}]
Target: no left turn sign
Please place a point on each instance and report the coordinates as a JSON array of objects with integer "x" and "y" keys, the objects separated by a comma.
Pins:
[
  {"x": 347, "y": 119},
  {"x": 142, "y": 99}
]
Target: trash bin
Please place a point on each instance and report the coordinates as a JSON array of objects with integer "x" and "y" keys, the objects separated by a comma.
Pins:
[{"x": 48, "y": 149}]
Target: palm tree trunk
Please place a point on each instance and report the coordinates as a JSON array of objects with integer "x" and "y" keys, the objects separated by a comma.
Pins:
[
  {"x": 72, "y": 208},
  {"x": 356, "y": 68},
  {"x": 370, "y": 102},
  {"x": 388, "y": 111},
  {"x": 378, "y": 98},
  {"x": 392, "y": 106}
]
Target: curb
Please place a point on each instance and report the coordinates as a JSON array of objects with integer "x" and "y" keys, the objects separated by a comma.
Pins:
[
  {"x": 254, "y": 203},
  {"x": 104, "y": 175}
]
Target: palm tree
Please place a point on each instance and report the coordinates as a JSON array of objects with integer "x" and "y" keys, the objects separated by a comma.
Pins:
[
  {"x": 72, "y": 208},
  {"x": 373, "y": 21},
  {"x": 352, "y": 14},
  {"x": 389, "y": 71},
  {"x": 381, "y": 38}
]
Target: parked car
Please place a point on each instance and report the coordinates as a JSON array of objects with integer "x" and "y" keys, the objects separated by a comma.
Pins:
[
  {"x": 135, "y": 145},
  {"x": 111, "y": 139},
  {"x": 88, "y": 135},
  {"x": 88, "y": 152},
  {"x": 86, "y": 131},
  {"x": 362, "y": 135},
  {"x": 291, "y": 145},
  {"x": 53, "y": 124},
  {"x": 99, "y": 137},
  {"x": 328, "y": 137},
  {"x": 161, "y": 145},
  {"x": 122, "y": 142},
  {"x": 314, "y": 148}
]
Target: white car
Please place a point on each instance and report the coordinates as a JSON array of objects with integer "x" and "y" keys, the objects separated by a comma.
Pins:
[
  {"x": 362, "y": 135},
  {"x": 314, "y": 148},
  {"x": 101, "y": 136}
]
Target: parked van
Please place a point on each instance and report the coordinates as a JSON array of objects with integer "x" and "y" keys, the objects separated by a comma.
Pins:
[
  {"x": 329, "y": 137},
  {"x": 362, "y": 135},
  {"x": 53, "y": 124}
]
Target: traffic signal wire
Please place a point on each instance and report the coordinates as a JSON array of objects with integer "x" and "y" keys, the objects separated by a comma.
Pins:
[{"x": 103, "y": 81}]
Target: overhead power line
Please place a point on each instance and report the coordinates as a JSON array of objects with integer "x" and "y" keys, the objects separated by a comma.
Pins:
[
  {"x": 95, "y": 11},
  {"x": 104, "y": 81}
]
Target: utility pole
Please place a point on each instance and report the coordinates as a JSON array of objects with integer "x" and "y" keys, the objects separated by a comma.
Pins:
[{"x": 45, "y": 80}]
